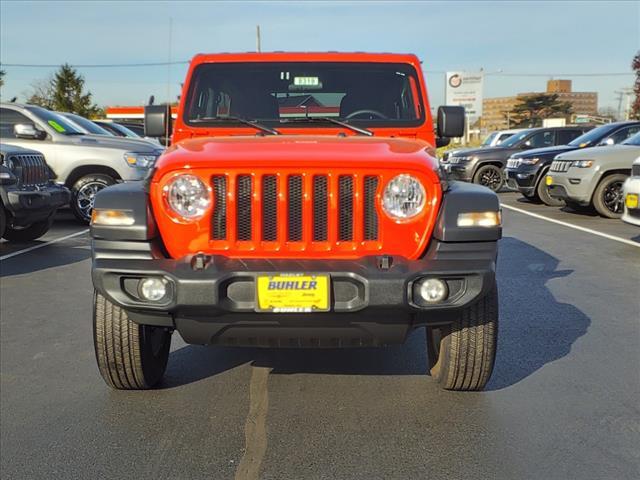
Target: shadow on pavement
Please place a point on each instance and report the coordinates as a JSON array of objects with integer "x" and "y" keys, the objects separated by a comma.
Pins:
[
  {"x": 535, "y": 329},
  {"x": 51, "y": 256}
]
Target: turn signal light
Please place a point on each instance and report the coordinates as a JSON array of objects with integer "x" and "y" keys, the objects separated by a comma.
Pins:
[
  {"x": 112, "y": 218},
  {"x": 480, "y": 219}
]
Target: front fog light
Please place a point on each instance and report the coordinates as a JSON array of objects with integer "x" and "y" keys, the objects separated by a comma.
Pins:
[
  {"x": 153, "y": 288},
  {"x": 433, "y": 290}
]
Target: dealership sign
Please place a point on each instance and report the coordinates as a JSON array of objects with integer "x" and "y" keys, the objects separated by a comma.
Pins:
[{"x": 465, "y": 89}]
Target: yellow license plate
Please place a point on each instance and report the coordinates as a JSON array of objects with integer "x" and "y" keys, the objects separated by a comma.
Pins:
[
  {"x": 548, "y": 180},
  {"x": 632, "y": 200},
  {"x": 282, "y": 293}
]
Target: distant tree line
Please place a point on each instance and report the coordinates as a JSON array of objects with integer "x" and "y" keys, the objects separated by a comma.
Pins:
[{"x": 531, "y": 110}]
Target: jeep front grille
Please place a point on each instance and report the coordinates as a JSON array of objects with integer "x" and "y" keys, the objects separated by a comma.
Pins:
[
  {"x": 635, "y": 170},
  {"x": 560, "y": 166},
  {"x": 31, "y": 170},
  {"x": 294, "y": 208}
]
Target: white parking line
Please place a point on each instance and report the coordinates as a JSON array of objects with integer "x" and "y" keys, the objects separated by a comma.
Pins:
[
  {"x": 576, "y": 227},
  {"x": 40, "y": 245}
]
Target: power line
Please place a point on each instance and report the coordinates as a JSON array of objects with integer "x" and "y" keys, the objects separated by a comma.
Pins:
[
  {"x": 112, "y": 65},
  {"x": 185, "y": 62}
]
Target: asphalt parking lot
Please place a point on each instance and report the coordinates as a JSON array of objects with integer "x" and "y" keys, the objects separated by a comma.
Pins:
[{"x": 562, "y": 402}]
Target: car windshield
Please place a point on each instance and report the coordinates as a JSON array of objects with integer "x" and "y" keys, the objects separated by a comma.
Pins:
[
  {"x": 122, "y": 129},
  {"x": 56, "y": 121},
  {"x": 592, "y": 137},
  {"x": 514, "y": 139},
  {"x": 365, "y": 94},
  {"x": 489, "y": 139},
  {"x": 85, "y": 124},
  {"x": 635, "y": 140}
]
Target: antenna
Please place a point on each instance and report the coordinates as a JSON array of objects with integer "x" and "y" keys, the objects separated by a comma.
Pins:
[{"x": 258, "y": 47}]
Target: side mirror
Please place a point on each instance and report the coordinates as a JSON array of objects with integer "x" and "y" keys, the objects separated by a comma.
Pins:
[
  {"x": 442, "y": 142},
  {"x": 450, "y": 122},
  {"x": 157, "y": 121},
  {"x": 608, "y": 141},
  {"x": 28, "y": 131},
  {"x": 526, "y": 145}
]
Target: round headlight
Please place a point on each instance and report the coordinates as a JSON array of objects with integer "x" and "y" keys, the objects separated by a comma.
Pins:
[
  {"x": 188, "y": 196},
  {"x": 404, "y": 197}
]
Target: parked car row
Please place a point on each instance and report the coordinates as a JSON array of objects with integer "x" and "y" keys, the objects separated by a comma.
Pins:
[
  {"x": 577, "y": 166},
  {"x": 82, "y": 156},
  {"x": 485, "y": 166}
]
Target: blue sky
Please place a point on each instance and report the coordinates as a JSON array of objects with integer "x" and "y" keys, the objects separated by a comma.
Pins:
[{"x": 514, "y": 37}]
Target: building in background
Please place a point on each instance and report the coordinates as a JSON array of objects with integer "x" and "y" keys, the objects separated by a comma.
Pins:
[{"x": 495, "y": 110}]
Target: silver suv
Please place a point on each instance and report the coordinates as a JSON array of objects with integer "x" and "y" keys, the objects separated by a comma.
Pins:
[{"x": 84, "y": 163}]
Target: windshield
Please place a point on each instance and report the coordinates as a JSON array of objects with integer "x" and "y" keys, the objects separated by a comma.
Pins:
[
  {"x": 635, "y": 140},
  {"x": 514, "y": 139},
  {"x": 86, "y": 125},
  {"x": 56, "y": 121},
  {"x": 122, "y": 129},
  {"x": 592, "y": 137},
  {"x": 489, "y": 139},
  {"x": 376, "y": 94}
]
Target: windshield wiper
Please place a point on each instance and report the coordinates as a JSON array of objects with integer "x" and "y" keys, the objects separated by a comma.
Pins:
[
  {"x": 361, "y": 131},
  {"x": 244, "y": 121}
]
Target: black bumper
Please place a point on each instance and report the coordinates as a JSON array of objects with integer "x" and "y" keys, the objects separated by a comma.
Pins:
[
  {"x": 462, "y": 172},
  {"x": 212, "y": 299},
  {"x": 521, "y": 180},
  {"x": 31, "y": 205},
  {"x": 558, "y": 191}
]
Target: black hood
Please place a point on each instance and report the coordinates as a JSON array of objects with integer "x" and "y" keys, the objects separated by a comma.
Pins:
[
  {"x": 545, "y": 152},
  {"x": 490, "y": 152}
]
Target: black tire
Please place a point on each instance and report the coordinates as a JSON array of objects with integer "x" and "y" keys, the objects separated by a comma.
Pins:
[
  {"x": 461, "y": 355},
  {"x": 26, "y": 234},
  {"x": 129, "y": 356},
  {"x": 3, "y": 221},
  {"x": 608, "y": 199},
  {"x": 83, "y": 193},
  {"x": 542, "y": 192},
  {"x": 489, "y": 176}
]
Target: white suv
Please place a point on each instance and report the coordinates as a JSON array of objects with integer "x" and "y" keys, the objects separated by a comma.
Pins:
[{"x": 84, "y": 163}]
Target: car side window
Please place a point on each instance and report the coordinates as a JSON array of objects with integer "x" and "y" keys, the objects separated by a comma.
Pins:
[
  {"x": 8, "y": 119},
  {"x": 565, "y": 136},
  {"x": 541, "y": 139},
  {"x": 624, "y": 133}
]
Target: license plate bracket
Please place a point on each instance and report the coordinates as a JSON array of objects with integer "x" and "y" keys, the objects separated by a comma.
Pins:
[{"x": 292, "y": 293}]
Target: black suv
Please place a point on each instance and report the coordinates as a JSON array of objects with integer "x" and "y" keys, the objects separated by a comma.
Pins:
[
  {"x": 28, "y": 196},
  {"x": 485, "y": 165},
  {"x": 525, "y": 170}
]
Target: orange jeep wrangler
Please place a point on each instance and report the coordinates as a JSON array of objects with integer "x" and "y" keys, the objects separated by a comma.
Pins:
[{"x": 299, "y": 205}]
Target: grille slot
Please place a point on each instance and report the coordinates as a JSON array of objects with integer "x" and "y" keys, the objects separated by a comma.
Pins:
[
  {"x": 635, "y": 170},
  {"x": 31, "y": 170},
  {"x": 513, "y": 163},
  {"x": 243, "y": 207},
  {"x": 560, "y": 166},
  {"x": 295, "y": 208},
  {"x": 270, "y": 208},
  {"x": 219, "y": 217},
  {"x": 345, "y": 208},
  {"x": 370, "y": 212},
  {"x": 320, "y": 207}
]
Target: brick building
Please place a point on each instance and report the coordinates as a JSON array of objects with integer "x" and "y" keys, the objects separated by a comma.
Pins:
[{"x": 494, "y": 110}]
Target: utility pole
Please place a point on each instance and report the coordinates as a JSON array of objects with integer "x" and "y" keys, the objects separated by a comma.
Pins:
[{"x": 258, "y": 47}]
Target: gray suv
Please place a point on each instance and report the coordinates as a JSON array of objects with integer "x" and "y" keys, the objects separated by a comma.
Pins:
[{"x": 84, "y": 163}]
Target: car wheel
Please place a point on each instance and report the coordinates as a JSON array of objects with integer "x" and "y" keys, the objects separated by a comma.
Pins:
[
  {"x": 542, "y": 192},
  {"x": 461, "y": 355},
  {"x": 489, "y": 176},
  {"x": 608, "y": 198},
  {"x": 129, "y": 356},
  {"x": 26, "y": 234},
  {"x": 83, "y": 194}
]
